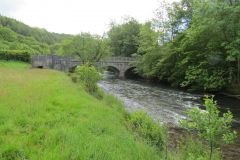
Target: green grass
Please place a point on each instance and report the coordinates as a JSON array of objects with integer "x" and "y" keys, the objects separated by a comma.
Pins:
[
  {"x": 13, "y": 64},
  {"x": 45, "y": 116}
]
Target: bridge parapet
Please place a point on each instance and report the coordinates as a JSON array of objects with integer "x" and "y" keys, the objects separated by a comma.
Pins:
[
  {"x": 67, "y": 63},
  {"x": 119, "y": 59}
]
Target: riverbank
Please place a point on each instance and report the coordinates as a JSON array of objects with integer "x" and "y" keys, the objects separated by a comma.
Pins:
[
  {"x": 44, "y": 115},
  {"x": 167, "y": 105}
]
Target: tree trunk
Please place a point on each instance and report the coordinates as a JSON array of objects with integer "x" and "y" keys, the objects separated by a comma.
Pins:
[
  {"x": 238, "y": 70},
  {"x": 166, "y": 152},
  {"x": 211, "y": 150}
]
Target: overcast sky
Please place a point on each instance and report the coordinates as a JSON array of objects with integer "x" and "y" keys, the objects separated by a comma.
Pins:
[{"x": 75, "y": 16}]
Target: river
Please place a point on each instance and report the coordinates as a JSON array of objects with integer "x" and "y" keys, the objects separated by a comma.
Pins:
[{"x": 163, "y": 103}]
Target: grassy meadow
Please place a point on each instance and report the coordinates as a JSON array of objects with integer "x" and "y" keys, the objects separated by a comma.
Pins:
[{"x": 45, "y": 116}]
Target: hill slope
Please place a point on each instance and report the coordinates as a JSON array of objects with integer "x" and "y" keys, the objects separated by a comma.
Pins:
[{"x": 15, "y": 35}]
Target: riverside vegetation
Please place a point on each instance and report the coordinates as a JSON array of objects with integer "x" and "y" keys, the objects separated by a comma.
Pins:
[{"x": 42, "y": 118}]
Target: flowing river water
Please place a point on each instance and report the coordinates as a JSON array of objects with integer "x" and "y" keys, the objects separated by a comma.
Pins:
[{"x": 162, "y": 103}]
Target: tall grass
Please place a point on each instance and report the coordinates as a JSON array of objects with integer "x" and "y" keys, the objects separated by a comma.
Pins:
[{"x": 43, "y": 115}]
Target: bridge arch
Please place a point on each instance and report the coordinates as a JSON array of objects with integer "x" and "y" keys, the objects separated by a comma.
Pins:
[
  {"x": 131, "y": 73},
  {"x": 112, "y": 69},
  {"x": 71, "y": 69}
]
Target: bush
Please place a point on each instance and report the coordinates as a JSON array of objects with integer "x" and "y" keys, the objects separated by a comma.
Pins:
[
  {"x": 15, "y": 55},
  {"x": 146, "y": 128},
  {"x": 88, "y": 76},
  {"x": 211, "y": 126}
]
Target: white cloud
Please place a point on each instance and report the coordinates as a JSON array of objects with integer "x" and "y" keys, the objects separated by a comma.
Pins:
[{"x": 75, "y": 16}]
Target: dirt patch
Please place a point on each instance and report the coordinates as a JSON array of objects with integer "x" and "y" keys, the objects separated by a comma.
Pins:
[{"x": 232, "y": 151}]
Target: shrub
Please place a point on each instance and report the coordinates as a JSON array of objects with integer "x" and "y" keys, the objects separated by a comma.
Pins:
[
  {"x": 88, "y": 77},
  {"x": 210, "y": 125},
  {"x": 15, "y": 55},
  {"x": 146, "y": 128}
]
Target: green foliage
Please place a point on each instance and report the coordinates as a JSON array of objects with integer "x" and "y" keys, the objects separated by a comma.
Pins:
[
  {"x": 210, "y": 125},
  {"x": 15, "y": 55},
  {"x": 124, "y": 38},
  {"x": 147, "y": 39},
  {"x": 7, "y": 34},
  {"x": 10, "y": 40},
  {"x": 197, "y": 47},
  {"x": 149, "y": 59},
  {"x": 149, "y": 52},
  {"x": 204, "y": 78},
  {"x": 41, "y": 35},
  {"x": 146, "y": 128},
  {"x": 87, "y": 47},
  {"x": 15, "y": 35},
  {"x": 88, "y": 76}
]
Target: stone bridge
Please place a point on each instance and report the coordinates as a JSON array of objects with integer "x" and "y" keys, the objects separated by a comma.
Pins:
[{"x": 120, "y": 65}]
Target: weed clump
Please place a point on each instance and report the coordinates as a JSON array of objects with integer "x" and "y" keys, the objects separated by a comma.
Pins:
[
  {"x": 13, "y": 153},
  {"x": 146, "y": 128},
  {"x": 88, "y": 76}
]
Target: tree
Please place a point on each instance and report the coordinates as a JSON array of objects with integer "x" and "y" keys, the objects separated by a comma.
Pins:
[
  {"x": 210, "y": 125},
  {"x": 172, "y": 18},
  {"x": 199, "y": 46},
  {"x": 87, "y": 47},
  {"x": 147, "y": 39},
  {"x": 7, "y": 34},
  {"x": 124, "y": 37}
]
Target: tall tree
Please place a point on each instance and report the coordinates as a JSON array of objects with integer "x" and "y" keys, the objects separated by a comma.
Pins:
[
  {"x": 87, "y": 47},
  {"x": 203, "y": 52},
  {"x": 123, "y": 37}
]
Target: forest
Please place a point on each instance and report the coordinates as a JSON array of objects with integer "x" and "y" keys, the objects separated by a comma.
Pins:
[{"x": 189, "y": 44}]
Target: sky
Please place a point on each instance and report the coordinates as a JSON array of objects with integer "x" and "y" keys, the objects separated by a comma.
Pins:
[{"x": 76, "y": 16}]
